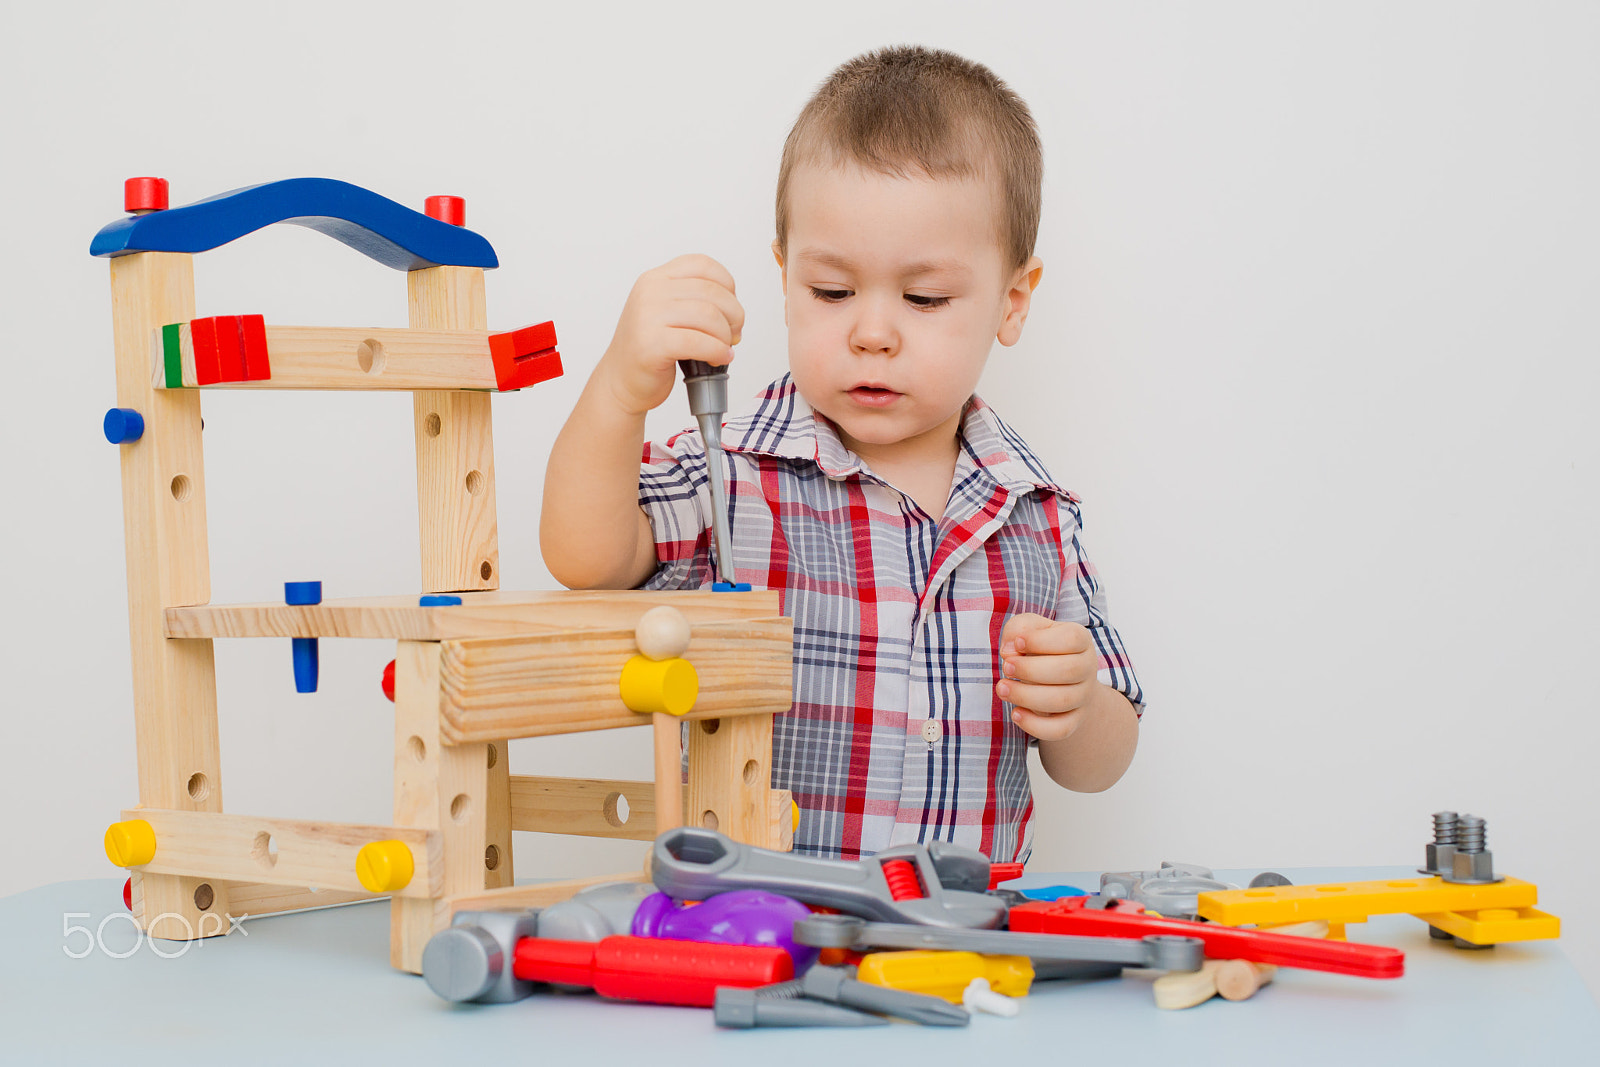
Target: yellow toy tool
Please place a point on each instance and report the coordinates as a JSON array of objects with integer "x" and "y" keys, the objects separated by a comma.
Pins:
[
  {"x": 946, "y": 974},
  {"x": 1462, "y": 900}
]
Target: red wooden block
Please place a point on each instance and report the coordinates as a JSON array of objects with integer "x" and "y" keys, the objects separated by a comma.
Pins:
[
  {"x": 221, "y": 343},
  {"x": 525, "y": 357},
  {"x": 451, "y": 209},
  {"x": 253, "y": 329},
  {"x": 230, "y": 348},
  {"x": 144, "y": 194},
  {"x": 207, "y": 366}
]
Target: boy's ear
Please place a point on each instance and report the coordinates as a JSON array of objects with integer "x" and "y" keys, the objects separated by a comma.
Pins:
[
  {"x": 1017, "y": 299},
  {"x": 783, "y": 276}
]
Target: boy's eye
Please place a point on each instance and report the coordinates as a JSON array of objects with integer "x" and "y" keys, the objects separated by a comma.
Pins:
[
  {"x": 917, "y": 300},
  {"x": 832, "y": 296}
]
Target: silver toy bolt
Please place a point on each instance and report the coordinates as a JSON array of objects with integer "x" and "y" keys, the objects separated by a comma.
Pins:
[
  {"x": 1472, "y": 864},
  {"x": 1443, "y": 847}
]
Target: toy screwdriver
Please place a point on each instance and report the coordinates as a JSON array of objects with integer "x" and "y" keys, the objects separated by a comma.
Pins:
[
  {"x": 649, "y": 969},
  {"x": 708, "y": 403}
]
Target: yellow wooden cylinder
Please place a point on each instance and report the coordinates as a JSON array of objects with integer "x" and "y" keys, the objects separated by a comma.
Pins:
[
  {"x": 131, "y": 843},
  {"x": 384, "y": 866},
  {"x": 669, "y": 686}
]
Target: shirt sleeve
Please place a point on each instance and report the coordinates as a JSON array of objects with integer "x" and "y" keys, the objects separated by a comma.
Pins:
[
  {"x": 676, "y": 497},
  {"x": 1083, "y": 601}
]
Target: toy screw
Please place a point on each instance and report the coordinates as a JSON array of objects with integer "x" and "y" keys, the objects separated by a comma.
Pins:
[
  {"x": 1443, "y": 847},
  {"x": 1473, "y": 863}
]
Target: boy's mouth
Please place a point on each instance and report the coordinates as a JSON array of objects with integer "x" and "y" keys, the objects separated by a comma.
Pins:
[{"x": 873, "y": 396}]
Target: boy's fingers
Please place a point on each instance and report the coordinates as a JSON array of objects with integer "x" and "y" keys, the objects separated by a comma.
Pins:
[
  {"x": 696, "y": 344},
  {"x": 1044, "y": 699},
  {"x": 1056, "y": 639},
  {"x": 718, "y": 296},
  {"x": 699, "y": 315},
  {"x": 1049, "y": 670},
  {"x": 1045, "y": 727},
  {"x": 696, "y": 265}
]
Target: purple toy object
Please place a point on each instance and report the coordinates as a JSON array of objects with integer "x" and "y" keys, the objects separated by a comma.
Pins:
[{"x": 741, "y": 917}]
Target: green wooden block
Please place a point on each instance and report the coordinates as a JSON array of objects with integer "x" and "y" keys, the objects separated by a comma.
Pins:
[{"x": 171, "y": 355}]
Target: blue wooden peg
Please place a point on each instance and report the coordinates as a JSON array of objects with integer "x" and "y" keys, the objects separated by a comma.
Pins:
[
  {"x": 304, "y": 648},
  {"x": 123, "y": 424}
]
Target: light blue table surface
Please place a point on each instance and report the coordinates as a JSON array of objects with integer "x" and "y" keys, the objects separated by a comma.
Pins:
[{"x": 316, "y": 987}]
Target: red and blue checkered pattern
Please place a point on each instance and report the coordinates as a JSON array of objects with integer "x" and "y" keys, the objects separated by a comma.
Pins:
[{"x": 897, "y": 618}]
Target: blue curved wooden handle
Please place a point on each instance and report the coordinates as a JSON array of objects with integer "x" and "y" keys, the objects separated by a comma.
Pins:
[{"x": 373, "y": 225}]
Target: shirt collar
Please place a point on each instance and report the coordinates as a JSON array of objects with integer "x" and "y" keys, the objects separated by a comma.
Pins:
[{"x": 785, "y": 426}]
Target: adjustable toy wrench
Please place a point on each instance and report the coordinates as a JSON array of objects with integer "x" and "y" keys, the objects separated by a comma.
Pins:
[
  {"x": 932, "y": 885},
  {"x": 1160, "y": 951},
  {"x": 708, "y": 403}
]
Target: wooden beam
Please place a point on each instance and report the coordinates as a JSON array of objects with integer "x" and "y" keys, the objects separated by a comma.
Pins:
[
  {"x": 222, "y": 847},
  {"x": 486, "y": 614},
  {"x": 497, "y": 860},
  {"x": 164, "y": 536},
  {"x": 588, "y": 807},
  {"x": 533, "y": 895},
  {"x": 440, "y": 788},
  {"x": 584, "y": 806},
  {"x": 251, "y": 899},
  {"x": 338, "y": 357},
  {"x": 667, "y": 731},
  {"x": 782, "y": 816},
  {"x": 535, "y": 685},
  {"x": 455, "y": 446},
  {"x": 730, "y": 774}
]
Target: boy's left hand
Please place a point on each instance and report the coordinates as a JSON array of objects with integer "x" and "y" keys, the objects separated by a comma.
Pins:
[{"x": 1048, "y": 673}]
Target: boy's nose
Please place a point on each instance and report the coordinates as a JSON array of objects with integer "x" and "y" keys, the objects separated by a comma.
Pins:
[{"x": 873, "y": 332}]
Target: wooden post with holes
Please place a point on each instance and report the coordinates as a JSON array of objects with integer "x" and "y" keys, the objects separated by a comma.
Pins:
[
  {"x": 730, "y": 768},
  {"x": 164, "y": 526},
  {"x": 436, "y": 787},
  {"x": 455, "y": 446},
  {"x": 456, "y": 498}
]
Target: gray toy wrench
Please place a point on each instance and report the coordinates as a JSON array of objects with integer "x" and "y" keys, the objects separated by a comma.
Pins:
[
  {"x": 1159, "y": 951},
  {"x": 692, "y": 864}
]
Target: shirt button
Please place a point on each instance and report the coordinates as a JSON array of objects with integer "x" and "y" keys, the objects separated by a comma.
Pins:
[{"x": 932, "y": 731}]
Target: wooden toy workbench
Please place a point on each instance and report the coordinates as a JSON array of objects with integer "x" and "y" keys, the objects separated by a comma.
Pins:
[{"x": 473, "y": 670}]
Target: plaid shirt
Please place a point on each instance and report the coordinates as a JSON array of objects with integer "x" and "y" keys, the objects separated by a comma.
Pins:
[{"x": 895, "y": 734}]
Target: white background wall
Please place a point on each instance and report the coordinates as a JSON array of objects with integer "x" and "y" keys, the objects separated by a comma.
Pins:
[{"x": 1316, "y": 343}]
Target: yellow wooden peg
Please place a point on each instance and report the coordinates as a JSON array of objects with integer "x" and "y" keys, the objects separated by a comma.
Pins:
[
  {"x": 384, "y": 866},
  {"x": 795, "y": 808},
  {"x": 131, "y": 843},
  {"x": 670, "y": 686}
]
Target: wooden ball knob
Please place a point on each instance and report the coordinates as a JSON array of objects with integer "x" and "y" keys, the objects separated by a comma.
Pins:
[{"x": 662, "y": 633}]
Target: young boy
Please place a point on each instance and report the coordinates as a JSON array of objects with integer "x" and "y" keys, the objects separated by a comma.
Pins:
[{"x": 945, "y": 616}]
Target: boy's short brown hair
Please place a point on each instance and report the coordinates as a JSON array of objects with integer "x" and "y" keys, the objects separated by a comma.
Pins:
[{"x": 909, "y": 109}]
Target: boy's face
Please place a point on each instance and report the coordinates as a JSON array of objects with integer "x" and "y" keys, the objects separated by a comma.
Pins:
[{"x": 894, "y": 291}]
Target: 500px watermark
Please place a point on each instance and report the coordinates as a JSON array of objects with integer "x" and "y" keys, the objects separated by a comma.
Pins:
[{"x": 92, "y": 939}]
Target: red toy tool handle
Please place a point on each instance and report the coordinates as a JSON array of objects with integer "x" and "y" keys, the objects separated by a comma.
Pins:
[
  {"x": 1071, "y": 916},
  {"x": 652, "y": 970}
]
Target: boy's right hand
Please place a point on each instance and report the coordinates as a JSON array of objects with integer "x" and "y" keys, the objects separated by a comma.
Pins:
[{"x": 685, "y": 309}]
